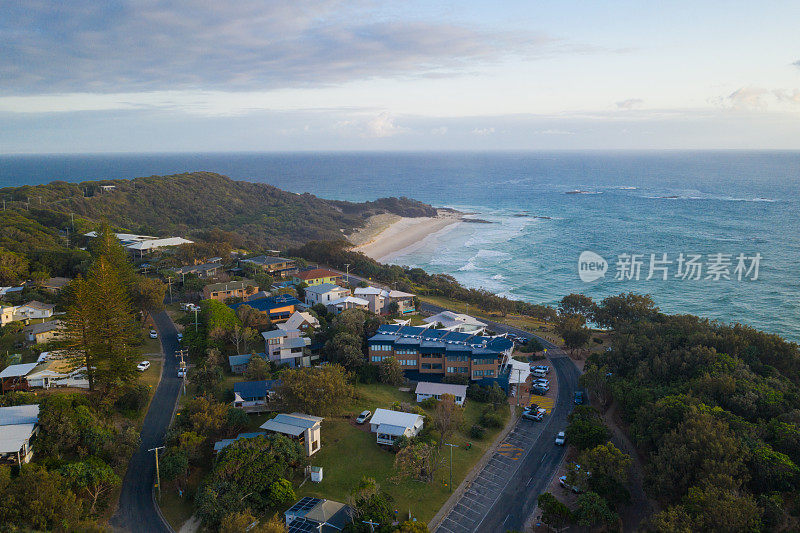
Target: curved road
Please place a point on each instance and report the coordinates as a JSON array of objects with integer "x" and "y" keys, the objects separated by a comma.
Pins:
[
  {"x": 503, "y": 495},
  {"x": 136, "y": 511}
]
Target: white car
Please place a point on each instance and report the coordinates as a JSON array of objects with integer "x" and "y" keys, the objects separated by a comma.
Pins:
[
  {"x": 540, "y": 368},
  {"x": 181, "y": 372},
  {"x": 180, "y": 337},
  {"x": 541, "y": 382},
  {"x": 153, "y": 334},
  {"x": 561, "y": 438},
  {"x": 363, "y": 417},
  {"x": 144, "y": 365}
]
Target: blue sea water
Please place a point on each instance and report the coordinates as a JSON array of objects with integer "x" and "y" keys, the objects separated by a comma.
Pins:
[{"x": 645, "y": 203}]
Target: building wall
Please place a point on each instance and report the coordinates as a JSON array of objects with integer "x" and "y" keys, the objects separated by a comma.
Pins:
[{"x": 439, "y": 364}]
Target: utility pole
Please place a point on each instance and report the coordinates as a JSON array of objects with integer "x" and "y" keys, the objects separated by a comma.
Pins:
[
  {"x": 347, "y": 270},
  {"x": 169, "y": 282},
  {"x": 158, "y": 476},
  {"x": 182, "y": 353},
  {"x": 451, "y": 463},
  {"x": 195, "y": 319}
]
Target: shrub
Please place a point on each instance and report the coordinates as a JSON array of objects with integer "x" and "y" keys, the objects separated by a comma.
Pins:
[
  {"x": 400, "y": 442},
  {"x": 491, "y": 419},
  {"x": 133, "y": 398},
  {"x": 428, "y": 403},
  {"x": 477, "y": 432},
  {"x": 457, "y": 379}
]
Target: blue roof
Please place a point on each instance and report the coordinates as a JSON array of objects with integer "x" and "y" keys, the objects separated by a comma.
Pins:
[
  {"x": 255, "y": 389},
  {"x": 432, "y": 340},
  {"x": 270, "y": 303},
  {"x": 243, "y": 359}
]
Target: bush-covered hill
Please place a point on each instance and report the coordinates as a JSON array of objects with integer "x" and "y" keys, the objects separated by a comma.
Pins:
[{"x": 189, "y": 204}]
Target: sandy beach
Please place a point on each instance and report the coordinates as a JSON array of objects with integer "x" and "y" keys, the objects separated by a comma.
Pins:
[{"x": 387, "y": 236}]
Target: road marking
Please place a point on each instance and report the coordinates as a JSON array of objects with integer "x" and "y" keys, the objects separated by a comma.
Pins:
[
  {"x": 506, "y": 520},
  {"x": 529, "y": 482}
]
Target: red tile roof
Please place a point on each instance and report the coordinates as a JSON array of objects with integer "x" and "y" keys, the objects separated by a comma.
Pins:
[{"x": 318, "y": 273}]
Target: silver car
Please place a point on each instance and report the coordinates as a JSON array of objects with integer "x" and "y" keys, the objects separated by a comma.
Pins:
[{"x": 561, "y": 438}]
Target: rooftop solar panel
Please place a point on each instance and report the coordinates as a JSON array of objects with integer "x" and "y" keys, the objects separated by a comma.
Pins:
[
  {"x": 301, "y": 525},
  {"x": 304, "y": 504}
]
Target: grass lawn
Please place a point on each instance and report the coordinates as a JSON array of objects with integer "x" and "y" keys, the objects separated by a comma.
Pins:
[{"x": 350, "y": 452}]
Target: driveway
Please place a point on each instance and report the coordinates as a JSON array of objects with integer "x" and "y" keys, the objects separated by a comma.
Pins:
[{"x": 136, "y": 511}]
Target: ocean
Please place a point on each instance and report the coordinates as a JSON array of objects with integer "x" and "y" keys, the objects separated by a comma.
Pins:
[{"x": 722, "y": 227}]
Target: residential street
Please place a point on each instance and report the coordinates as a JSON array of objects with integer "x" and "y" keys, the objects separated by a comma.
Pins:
[
  {"x": 136, "y": 511},
  {"x": 504, "y": 494}
]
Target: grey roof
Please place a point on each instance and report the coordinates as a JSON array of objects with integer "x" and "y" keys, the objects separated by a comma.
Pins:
[
  {"x": 266, "y": 260},
  {"x": 389, "y": 429},
  {"x": 224, "y": 443},
  {"x": 274, "y": 334},
  {"x": 43, "y": 327},
  {"x": 426, "y": 387},
  {"x": 394, "y": 418},
  {"x": 294, "y": 424},
  {"x": 19, "y": 414},
  {"x": 12, "y": 438},
  {"x": 39, "y": 305},
  {"x": 243, "y": 359},
  {"x": 322, "y": 288},
  {"x": 297, "y": 342},
  {"x": 15, "y": 371}
]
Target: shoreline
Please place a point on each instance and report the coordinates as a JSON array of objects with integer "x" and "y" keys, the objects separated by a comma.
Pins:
[{"x": 403, "y": 232}]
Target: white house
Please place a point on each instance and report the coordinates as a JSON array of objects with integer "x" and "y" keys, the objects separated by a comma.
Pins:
[
  {"x": 303, "y": 428},
  {"x": 426, "y": 389},
  {"x": 379, "y": 300},
  {"x": 389, "y": 425},
  {"x": 30, "y": 310},
  {"x": 301, "y": 321},
  {"x": 56, "y": 372},
  {"x": 18, "y": 425},
  {"x": 348, "y": 302},
  {"x": 456, "y": 322},
  {"x": 324, "y": 293},
  {"x": 286, "y": 346}
]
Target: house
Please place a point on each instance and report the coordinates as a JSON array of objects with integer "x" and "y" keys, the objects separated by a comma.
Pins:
[
  {"x": 55, "y": 285},
  {"x": 286, "y": 346},
  {"x": 317, "y": 515},
  {"x": 276, "y": 266},
  {"x": 18, "y": 427},
  {"x": 436, "y": 353},
  {"x": 348, "y": 302},
  {"x": 141, "y": 244},
  {"x": 456, "y": 322},
  {"x": 316, "y": 276},
  {"x": 13, "y": 377},
  {"x": 57, "y": 371},
  {"x": 224, "y": 443},
  {"x": 253, "y": 396},
  {"x": 302, "y": 321},
  {"x": 34, "y": 309},
  {"x": 202, "y": 271},
  {"x": 43, "y": 332},
  {"x": 229, "y": 289},
  {"x": 324, "y": 293},
  {"x": 380, "y": 300},
  {"x": 7, "y": 314},
  {"x": 390, "y": 425},
  {"x": 238, "y": 363},
  {"x": 303, "y": 428},
  {"x": 427, "y": 389},
  {"x": 279, "y": 307}
]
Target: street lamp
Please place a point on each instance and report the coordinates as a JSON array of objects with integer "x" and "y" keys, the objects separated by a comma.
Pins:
[{"x": 451, "y": 463}]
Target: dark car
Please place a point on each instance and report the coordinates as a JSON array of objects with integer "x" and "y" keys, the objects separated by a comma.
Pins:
[{"x": 578, "y": 397}]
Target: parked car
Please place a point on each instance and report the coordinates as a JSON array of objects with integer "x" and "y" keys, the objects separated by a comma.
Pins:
[
  {"x": 539, "y": 373},
  {"x": 541, "y": 382},
  {"x": 540, "y": 368},
  {"x": 153, "y": 334},
  {"x": 539, "y": 389},
  {"x": 534, "y": 413},
  {"x": 180, "y": 337},
  {"x": 144, "y": 365},
  {"x": 578, "y": 397},
  {"x": 181, "y": 372},
  {"x": 363, "y": 417},
  {"x": 574, "y": 488},
  {"x": 561, "y": 438}
]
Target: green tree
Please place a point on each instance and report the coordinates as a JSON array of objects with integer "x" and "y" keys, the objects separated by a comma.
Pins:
[
  {"x": 595, "y": 379},
  {"x": 147, "y": 294},
  {"x": 573, "y": 330},
  {"x": 390, "y": 371},
  {"x": 369, "y": 502},
  {"x": 37, "y": 499},
  {"x": 345, "y": 349},
  {"x": 447, "y": 417},
  {"x": 577, "y": 304},
  {"x": 93, "y": 476},
  {"x": 281, "y": 494},
  {"x": 174, "y": 464},
  {"x": 207, "y": 378},
  {"x": 616, "y": 311},
  {"x": 257, "y": 369},
  {"x": 586, "y": 429},
  {"x": 606, "y": 460},
  {"x": 322, "y": 390},
  {"x": 554, "y": 513},
  {"x": 592, "y": 510},
  {"x": 13, "y": 268},
  {"x": 417, "y": 461}
]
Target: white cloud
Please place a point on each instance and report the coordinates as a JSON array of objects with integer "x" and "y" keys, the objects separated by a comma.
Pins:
[
  {"x": 383, "y": 126},
  {"x": 441, "y": 130},
  {"x": 748, "y": 98},
  {"x": 630, "y": 103},
  {"x": 483, "y": 131}
]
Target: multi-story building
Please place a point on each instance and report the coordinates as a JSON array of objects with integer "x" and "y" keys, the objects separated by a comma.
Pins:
[
  {"x": 277, "y": 266},
  {"x": 230, "y": 289},
  {"x": 425, "y": 352},
  {"x": 380, "y": 300},
  {"x": 316, "y": 276}
]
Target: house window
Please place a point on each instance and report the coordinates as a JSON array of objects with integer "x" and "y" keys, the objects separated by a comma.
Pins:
[{"x": 314, "y": 445}]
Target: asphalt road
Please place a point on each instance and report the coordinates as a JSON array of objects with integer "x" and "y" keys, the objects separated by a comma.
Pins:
[
  {"x": 504, "y": 494},
  {"x": 136, "y": 511}
]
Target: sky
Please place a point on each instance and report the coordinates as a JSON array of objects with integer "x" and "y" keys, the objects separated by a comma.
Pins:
[{"x": 260, "y": 75}]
